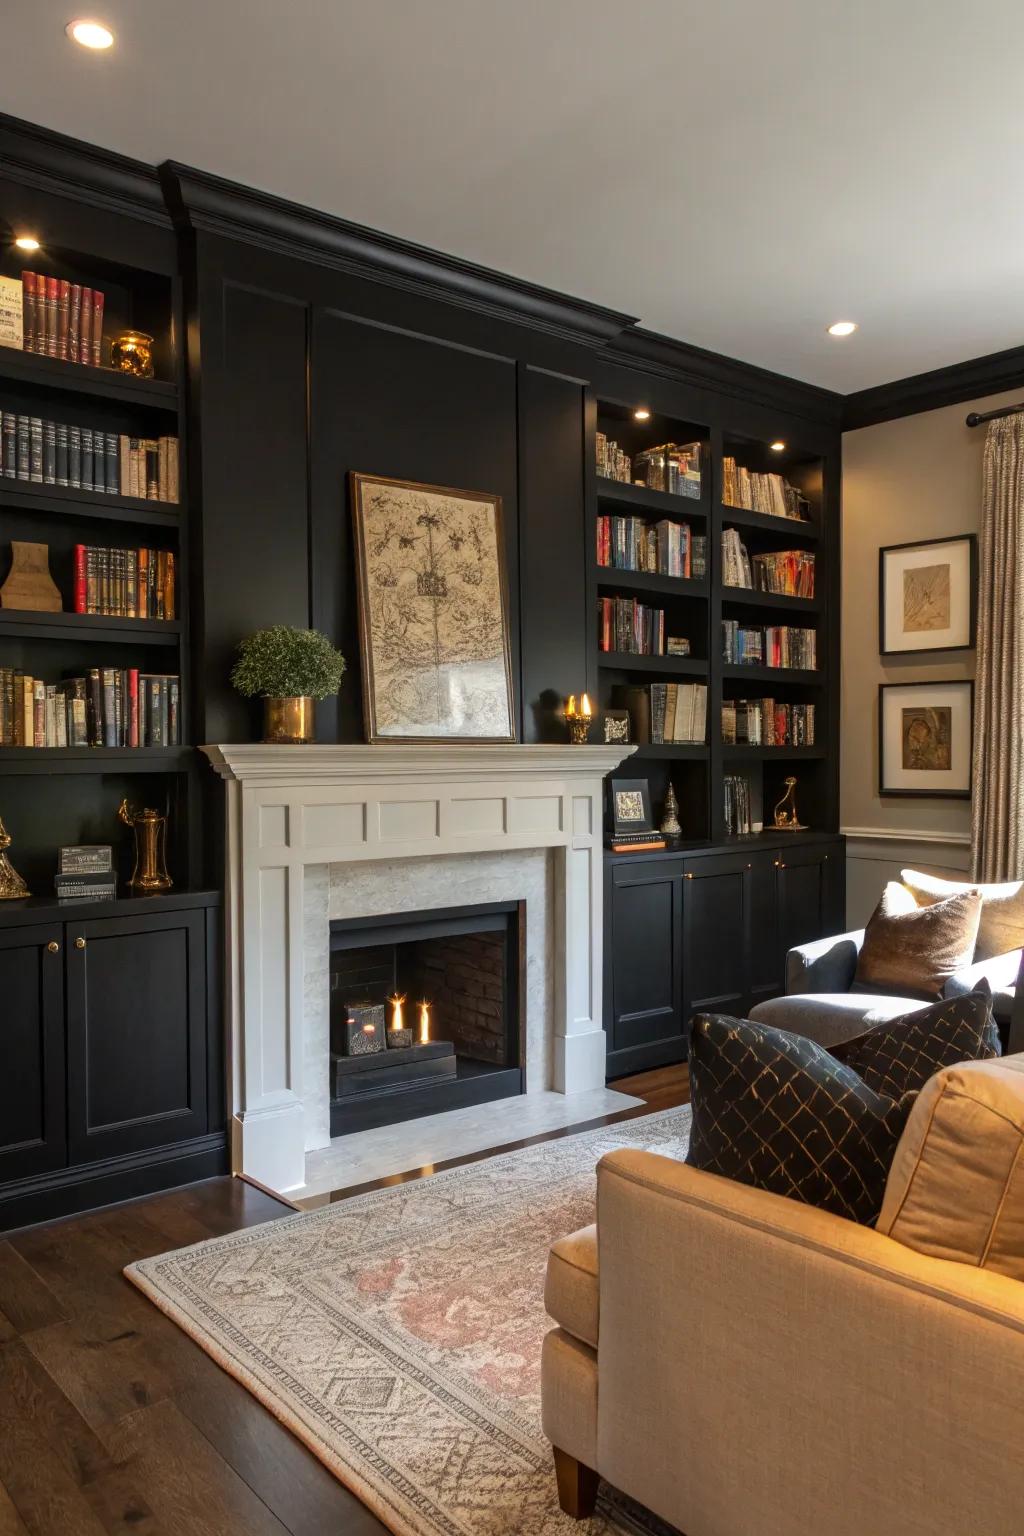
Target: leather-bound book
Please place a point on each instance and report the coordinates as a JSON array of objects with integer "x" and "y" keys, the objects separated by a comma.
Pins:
[
  {"x": 63, "y": 317},
  {"x": 52, "y": 296},
  {"x": 74, "y": 323},
  {"x": 30, "y": 312},
  {"x": 85, "y": 336},
  {"x": 96, "y": 357}
]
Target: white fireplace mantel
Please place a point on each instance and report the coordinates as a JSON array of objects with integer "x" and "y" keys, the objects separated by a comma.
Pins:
[{"x": 289, "y": 808}]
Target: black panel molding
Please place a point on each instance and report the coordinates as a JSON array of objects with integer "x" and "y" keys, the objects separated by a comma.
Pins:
[
  {"x": 52, "y": 162},
  {"x": 971, "y": 380}
]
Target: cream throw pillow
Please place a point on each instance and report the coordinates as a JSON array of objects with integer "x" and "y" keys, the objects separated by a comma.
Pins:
[
  {"x": 956, "y": 1184},
  {"x": 912, "y": 951},
  {"x": 1002, "y": 909}
]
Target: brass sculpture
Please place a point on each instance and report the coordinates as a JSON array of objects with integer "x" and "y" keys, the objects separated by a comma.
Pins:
[
  {"x": 786, "y": 818},
  {"x": 149, "y": 876},
  {"x": 12, "y": 886},
  {"x": 670, "y": 815}
]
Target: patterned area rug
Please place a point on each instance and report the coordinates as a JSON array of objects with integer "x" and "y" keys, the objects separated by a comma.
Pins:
[{"x": 398, "y": 1333}]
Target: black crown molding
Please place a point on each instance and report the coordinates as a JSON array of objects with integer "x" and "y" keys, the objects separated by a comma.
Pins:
[
  {"x": 972, "y": 380},
  {"x": 201, "y": 201},
  {"x": 52, "y": 162}
]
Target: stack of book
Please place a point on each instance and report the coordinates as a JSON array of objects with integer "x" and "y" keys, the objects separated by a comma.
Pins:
[
  {"x": 663, "y": 549},
  {"x": 736, "y": 570},
  {"x": 613, "y": 463},
  {"x": 767, "y": 723},
  {"x": 766, "y": 493},
  {"x": 671, "y": 467},
  {"x": 86, "y": 873},
  {"x": 630, "y": 627},
  {"x": 124, "y": 583},
  {"x": 665, "y": 712},
  {"x": 788, "y": 573},
  {"x": 87, "y": 458},
  {"x": 108, "y": 707},
  {"x": 62, "y": 319},
  {"x": 737, "y": 804},
  {"x": 777, "y": 645}
]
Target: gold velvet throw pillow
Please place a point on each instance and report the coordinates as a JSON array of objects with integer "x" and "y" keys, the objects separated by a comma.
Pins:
[{"x": 911, "y": 951}]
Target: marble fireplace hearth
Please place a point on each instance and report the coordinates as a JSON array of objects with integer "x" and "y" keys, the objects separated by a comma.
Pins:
[{"x": 324, "y": 833}]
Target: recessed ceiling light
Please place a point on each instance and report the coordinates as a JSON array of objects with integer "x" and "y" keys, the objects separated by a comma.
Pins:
[
  {"x": 641, "y": 413},
  {"x": 91, "y": 34},
  {"x": 778, "y": 447},
  {"x": 843, "y": 328},
  {"x": 27, "y": 243}
]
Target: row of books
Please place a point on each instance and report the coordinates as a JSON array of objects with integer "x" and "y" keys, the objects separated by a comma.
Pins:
[
  {"x": 671, "y": 467},
  {"x": 664, "y": 549},
  {"x": 767, "y": 723},
  {"x": 775, "y": 645},
  {"x": 613, "y": 462},
  {"x": 628, "y": 626},
  {"x": 108, "y": 707},
  {"x": 87, "y": 458},
  {"x": 666, "y": 712},
  {"x": 61, "y": 319},
  {"x": 736, "y": 791},
  {"x": 124, "y": 583},
  {"x": 786, "y": 573},
  {"x": 767, "y": 493}
]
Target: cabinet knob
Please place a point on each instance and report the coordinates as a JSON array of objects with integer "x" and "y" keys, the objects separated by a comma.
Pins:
[
  {"x": 688, "y": 876},
  {"x": 782, "y": 864},
  {"x": 79, "y": 942},
  {"x": 53, "y": 947}
]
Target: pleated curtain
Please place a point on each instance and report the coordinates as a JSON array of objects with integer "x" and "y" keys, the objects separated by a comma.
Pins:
[{"x": 997, "y": 811}]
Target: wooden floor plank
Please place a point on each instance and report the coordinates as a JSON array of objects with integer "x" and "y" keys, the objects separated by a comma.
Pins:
[
  {"x": 11, "y": 1523},
  {"x": 25, "y": 1301}
]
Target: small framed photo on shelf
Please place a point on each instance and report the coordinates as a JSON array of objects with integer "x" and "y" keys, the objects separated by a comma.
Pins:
[
  {"x": 924, "y": 739},
  {"x": 631, "y": 807},
  {"x": 615, "y": 727},
  {"x": 927, "y": 595}
]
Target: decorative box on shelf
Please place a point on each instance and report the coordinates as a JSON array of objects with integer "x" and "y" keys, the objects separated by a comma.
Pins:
[{"x": 358, "y": 1029}]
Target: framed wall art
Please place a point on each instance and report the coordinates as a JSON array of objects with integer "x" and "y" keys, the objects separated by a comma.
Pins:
[
  {"x": 927, "y": 595},
  {"x": 630, "y": 807},
  {"x": 433, "y": 612},
  {"x": 924, "y": 739}
]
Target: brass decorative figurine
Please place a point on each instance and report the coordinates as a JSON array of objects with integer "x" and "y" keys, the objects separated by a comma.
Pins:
[
  {"x": 578, "y": 719},
  {"x": 786, "y": 818},
  {"x": 132, "y": 352},
  {"x": 670, "y": 815},
  {"x": 12, "y": 886},
  {"x": 150, "y": 873}
]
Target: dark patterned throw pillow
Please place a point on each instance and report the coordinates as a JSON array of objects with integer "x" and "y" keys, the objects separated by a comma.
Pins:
[
  {"x": 900, "y": 1057},
  {"x": 779, "y": 1112}
]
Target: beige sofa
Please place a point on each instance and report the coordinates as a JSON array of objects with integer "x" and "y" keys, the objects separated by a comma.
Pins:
[{"x": 744, "y": 1365}]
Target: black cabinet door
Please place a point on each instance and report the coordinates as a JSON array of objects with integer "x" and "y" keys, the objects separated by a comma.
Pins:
[
  {"x": 805, "y": 893},
  {"x": 32, "y": 1133},
  {"x": 767, "y": 971},
  {"x": 643, "y": 937},
  {"x": 136, "y": 1026},
  {"x": 716, "y": 934}
]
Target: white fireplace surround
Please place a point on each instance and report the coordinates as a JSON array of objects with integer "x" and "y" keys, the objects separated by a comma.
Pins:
[{"x": 291, "y": 811}]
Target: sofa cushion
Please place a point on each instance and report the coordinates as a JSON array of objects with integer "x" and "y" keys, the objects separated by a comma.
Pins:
[
  {"x": 1002, "y": 908},
  {"x": 828, "y": 1018},
  {"x": 899, "y": 1057},
  {"x": 956, "y": 1185},
  {"x": 774, "y": 1110},
  {"x": 915, "y": 950},
  {"x": 570, "y": 1286}
]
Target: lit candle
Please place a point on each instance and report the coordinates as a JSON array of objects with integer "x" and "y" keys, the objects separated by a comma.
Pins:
[
  {"x": 585, "y": 709},
  {"x": 424, "y": 1023},
  {"x": 570, "y": 707},
  {"x": 397, "y": 1020}
]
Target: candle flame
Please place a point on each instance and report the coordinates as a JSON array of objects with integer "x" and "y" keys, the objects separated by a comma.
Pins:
[
  {"x": 585, "y": 709},
  {"x": 424, "y": 1023},
  {"x": 397, "y": 1019},
  {"x": 570, "y": 707}
]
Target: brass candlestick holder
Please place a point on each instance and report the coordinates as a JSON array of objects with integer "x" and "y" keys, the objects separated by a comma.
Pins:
[
  {"x": 786, "y": 818},
  {"x": 578, "y": 719},
  {"x": 12, "y": 886},
  {"x": 150, "y": 873}
]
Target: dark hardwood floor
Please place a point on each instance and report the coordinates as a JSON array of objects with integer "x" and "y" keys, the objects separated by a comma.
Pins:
[{"x": 113, "y": 1422}]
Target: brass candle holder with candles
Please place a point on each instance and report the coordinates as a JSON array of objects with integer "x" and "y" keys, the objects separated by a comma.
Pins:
[{"x": 579, "y": 719}]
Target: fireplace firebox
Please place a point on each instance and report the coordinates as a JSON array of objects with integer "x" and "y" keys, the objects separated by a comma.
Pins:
[{"x": 425, "y": 1012}]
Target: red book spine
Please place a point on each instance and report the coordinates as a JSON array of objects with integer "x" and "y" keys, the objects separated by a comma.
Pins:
[
  {"x": 52, "y": 300},
  {"x": 80, "y": 589},
  {"x": 85, "y": 335},
  {"x": 133, "y": 706},
  {"x": 63, "y": 309},
  {"x": 97, "y": 328},
  {"x": 29, "y": 304}
]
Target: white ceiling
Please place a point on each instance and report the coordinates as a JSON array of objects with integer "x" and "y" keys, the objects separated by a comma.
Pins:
[{"x": 737, "y": 174}]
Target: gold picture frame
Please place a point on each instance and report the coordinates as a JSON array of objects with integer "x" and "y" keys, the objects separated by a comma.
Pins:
[{"x": 435, "y": 649}]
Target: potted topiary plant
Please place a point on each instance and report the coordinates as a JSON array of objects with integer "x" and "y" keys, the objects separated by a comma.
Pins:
[{"x": 287, "y": 668}]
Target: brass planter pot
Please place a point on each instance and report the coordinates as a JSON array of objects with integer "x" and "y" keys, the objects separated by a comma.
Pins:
[{"x": 289, "y": 720}]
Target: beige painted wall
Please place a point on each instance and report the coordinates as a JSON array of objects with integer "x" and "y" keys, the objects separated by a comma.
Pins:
[{"x": 915, "y": 478}]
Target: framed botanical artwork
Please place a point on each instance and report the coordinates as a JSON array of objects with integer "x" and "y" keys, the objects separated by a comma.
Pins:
[
  {"x": 927, "y": 595},
  {"x": 630, "y": 807},
  {"x": 924, "y": 739},
  {"x": 615, "y": 726},
  {"x": 433, "y": 612}
]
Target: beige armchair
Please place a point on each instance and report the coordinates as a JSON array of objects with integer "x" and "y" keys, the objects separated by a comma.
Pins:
[{"x": 740, "y": 1363}]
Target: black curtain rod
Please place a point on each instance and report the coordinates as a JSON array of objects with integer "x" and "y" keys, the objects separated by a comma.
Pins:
[{"x": 976, "y": 418}]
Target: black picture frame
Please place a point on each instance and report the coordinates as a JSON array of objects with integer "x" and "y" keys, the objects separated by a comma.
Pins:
[
  {"x": 626, "y": 825},
  {"x": 888, "y": 792},
  {"x": 885, "y": 649},
  {"x": 617, "y": 719}
]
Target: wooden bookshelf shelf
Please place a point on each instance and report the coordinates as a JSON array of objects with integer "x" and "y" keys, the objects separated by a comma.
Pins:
[
  {"x": 89, "y": 627},
  {"x": 82, "y": 379},
  {"x": 641, "y": 499},
  {"x": 735, "y": 671},
  {"x": 747, "y": 597},
  {"x": 741, "y": 752},
  {"x": 66, "y": 501},
  {"x": 683, "y": 751},
  {"x": 787, "y": 527},
  {"x": 678, "y": 666},
  {"x": 613, "y": 576},
  {"x": 20, "y": 760}
]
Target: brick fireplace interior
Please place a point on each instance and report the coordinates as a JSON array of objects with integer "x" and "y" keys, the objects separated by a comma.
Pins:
[{"x": 465, "y": 965}]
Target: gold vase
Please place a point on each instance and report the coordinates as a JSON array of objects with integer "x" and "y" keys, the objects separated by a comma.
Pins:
[
  {"x": 132, "y": 352},
  {"x": 150, "y": 873},
  {"x": 289, "y": 720}
]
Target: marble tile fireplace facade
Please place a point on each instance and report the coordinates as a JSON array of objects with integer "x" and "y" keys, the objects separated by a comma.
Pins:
[{"x": 324, "y": 833}]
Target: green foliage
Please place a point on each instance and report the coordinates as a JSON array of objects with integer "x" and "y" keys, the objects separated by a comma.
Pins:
[{"x": 286, "y": 663}]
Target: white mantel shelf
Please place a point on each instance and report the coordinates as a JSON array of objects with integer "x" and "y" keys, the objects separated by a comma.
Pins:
[{"x": 292, "y": 808}]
